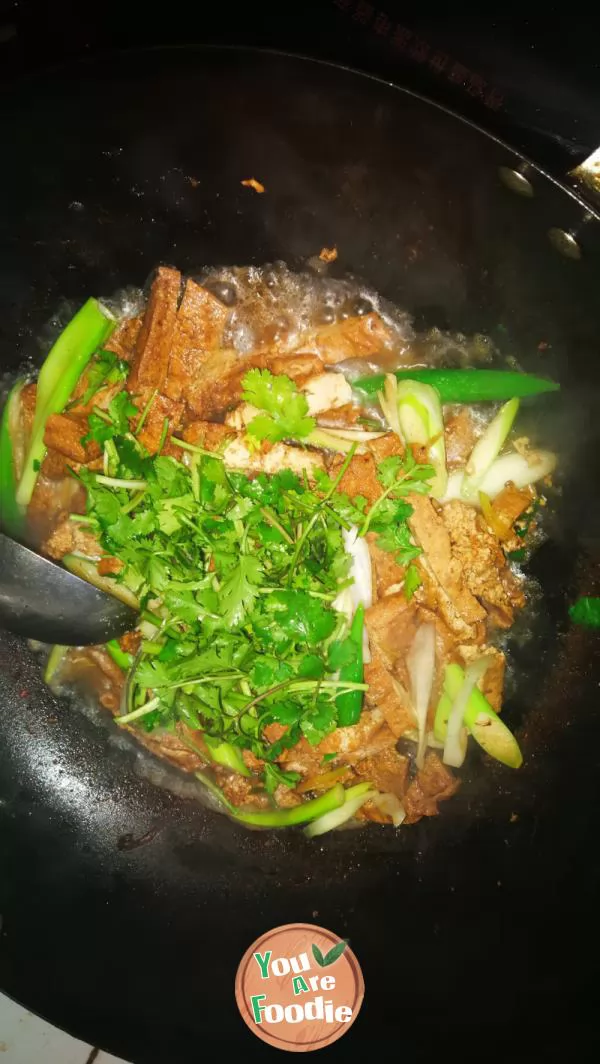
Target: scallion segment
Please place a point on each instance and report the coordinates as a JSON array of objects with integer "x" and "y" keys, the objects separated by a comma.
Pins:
[
  {"x": 11, "y": 515},
  {"x": 482, "y": 721},
  {"x": 354, "y": 798},
  {"x": 88, "y": 570},
  {"x": 281, "y": 818},
  {"x": 65, "y": 363},
  {"x": 487, "y": 448},
  {"x": 422, "y": 423},
  {"x": 223, "y": 753}
]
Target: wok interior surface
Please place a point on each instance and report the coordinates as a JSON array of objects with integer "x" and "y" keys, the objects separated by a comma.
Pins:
[{"x": 126, "y": 907}]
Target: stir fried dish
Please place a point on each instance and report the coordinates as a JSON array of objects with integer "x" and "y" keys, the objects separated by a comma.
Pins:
[{"x": 319, "y": 515}]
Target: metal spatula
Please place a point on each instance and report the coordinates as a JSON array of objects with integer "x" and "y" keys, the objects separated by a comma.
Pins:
[{"x": 43, "y": 601}]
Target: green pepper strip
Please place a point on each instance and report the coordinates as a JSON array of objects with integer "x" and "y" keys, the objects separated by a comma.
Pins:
[
  {"x": 11, "y": 518},
  {"x": 59, "y": 374},
  {"x": 467, "y": 385},
  {"x": 282, "y": 818},
  {"x": 120, "y": 657},
  {"x": 349, "y": 704}
]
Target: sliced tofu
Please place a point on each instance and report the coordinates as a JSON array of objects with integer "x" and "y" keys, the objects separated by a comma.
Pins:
[
  {"x": 327, "y": 391},
  {"x": 241, "y": 458},
  {"x": 239, "y": 418}
]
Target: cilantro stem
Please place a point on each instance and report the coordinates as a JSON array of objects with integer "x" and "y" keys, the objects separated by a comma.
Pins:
[
  {"x": 311, "y": 523},
  {"x": 269, "y": 516},
  {"x": 393, "y": 487},
  {"x": 195, "y": 449},
  {"x": 197, "y": 680},
  {"x": 141, "y": 712},
  {"x": 80, "y": 519},
  {"x": 315, "y": 594},
  {"x": 114, "y": 482},
  {"x": 336, "y": 685},
  {"x": 111, "y": 457},
  {"x": 163, "y": 435},
  {"x": 102, "y": 415},
  {"x": 131, "y": 505},
  {"x": 146, "y": 411}
]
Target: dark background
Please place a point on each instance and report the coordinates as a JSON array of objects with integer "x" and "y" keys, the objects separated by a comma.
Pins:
[
  {"x": 532, "y": 79},
  {"x": 110, "y": 941}
]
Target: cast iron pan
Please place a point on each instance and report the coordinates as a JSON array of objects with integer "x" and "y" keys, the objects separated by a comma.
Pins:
[{"x": 126, "y": 906}]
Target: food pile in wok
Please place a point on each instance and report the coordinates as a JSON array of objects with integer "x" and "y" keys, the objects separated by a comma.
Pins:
[{"x": 320, "y": 516}]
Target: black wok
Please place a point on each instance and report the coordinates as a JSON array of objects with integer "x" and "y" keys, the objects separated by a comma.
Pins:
[{"x": 126, "y": 906}]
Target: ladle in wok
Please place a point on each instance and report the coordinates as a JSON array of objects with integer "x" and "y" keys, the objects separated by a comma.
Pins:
[{"x": 43, "y": 601}]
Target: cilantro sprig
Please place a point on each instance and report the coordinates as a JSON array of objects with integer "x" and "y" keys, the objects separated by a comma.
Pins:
[{"x": 284, "y": 410}]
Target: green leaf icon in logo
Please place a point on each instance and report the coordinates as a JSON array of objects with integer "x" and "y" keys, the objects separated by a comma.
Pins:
[{"x": 331, "y": 957}]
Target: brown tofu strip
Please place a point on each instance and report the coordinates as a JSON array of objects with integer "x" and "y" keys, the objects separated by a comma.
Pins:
[
  {"x": 386, "y": 696},
  {"x": 433, "y": 783},
  {"x": 430, "y": 533},
  {"x": 153, "y": 345},
  {"x": 64, "y": 434},
  {"x": 198, "y": 329},
  {"x": 123, "y": 340}
]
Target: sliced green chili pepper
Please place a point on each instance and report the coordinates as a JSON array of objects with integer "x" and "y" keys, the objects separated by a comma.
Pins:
[
  {"x": 349, "y": 704},
  {"x": 59, "y": 374},
  {"x": 466, "y": 385},
  {"x": 119, "y": 656},
  {"x": 11, "y": 517},
  {"x": 281, "y": 818}
]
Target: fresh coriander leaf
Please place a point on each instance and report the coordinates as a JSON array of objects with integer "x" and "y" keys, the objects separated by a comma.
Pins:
[
  {"x": 120, "y": 409},
  {"x": 119, "y": 533},
  {"x": 268, "y": 671},
  {"x": 319, "y": 722},
  {"x": 273, "y": 776},
  {"x": 311, "y": 667},
  {"x": 143, "y": 524},
  {"x": 328, "y": 757},
  {"x": 282, "y": 713},
  {"x": 152, "y": 674},
  {"x": 412, "y": 580},
  {"x": 99, "y": 430},
  {"x": 285, "y": 408},
  {"x": 106, "y": 368},
  {"x": 172, "y": 477},
  {"x": 182, "y": 605},
  {"x": 389, "y": 469},
  {"x": 107, "y": 507},
  {"x": 133, "y": 458},
  {"x": 240, "y": 589},
  {"x": 586, "y": 611},
  {"x": 300, "y": 615}
]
